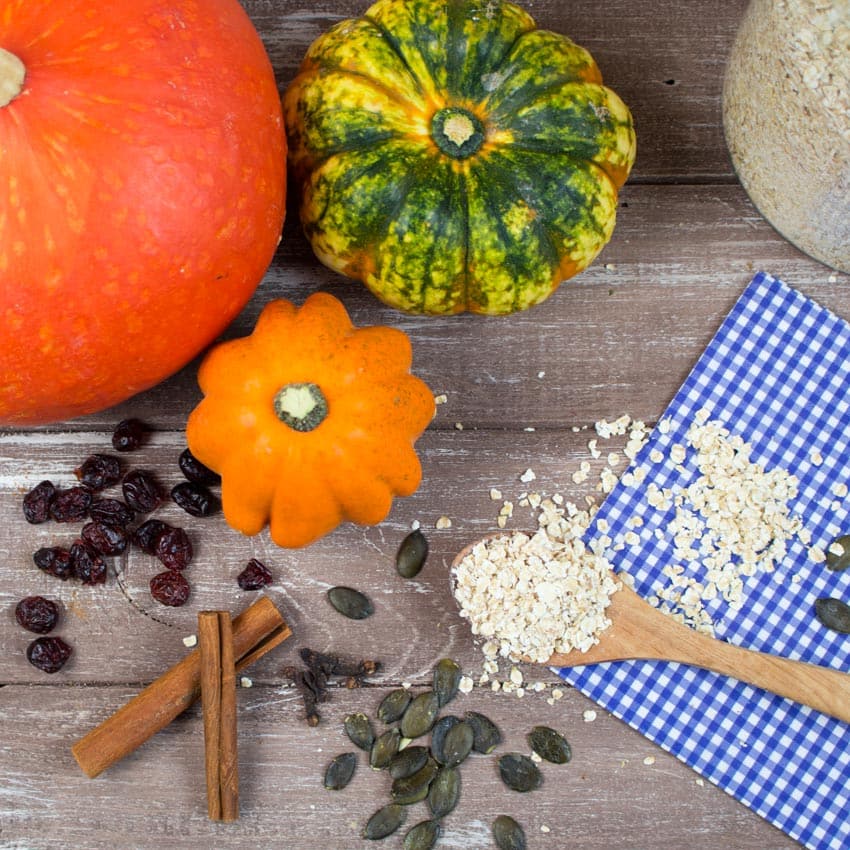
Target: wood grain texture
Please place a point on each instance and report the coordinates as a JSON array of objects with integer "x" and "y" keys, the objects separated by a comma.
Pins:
[{"x": 620, "y": 338}]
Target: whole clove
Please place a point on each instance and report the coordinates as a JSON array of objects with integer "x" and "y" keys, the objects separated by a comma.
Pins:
[{"x": 313, "y": 681}]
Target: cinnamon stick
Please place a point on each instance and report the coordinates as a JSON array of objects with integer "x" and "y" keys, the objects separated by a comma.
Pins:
[
  {"x": 256, "y": 630},
  {"x": 218, "y": 699}
]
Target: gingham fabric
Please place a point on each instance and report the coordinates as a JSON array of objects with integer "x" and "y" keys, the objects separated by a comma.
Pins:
[{"x": 777, "y": 373}]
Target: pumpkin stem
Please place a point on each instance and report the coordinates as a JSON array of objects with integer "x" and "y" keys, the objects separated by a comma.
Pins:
[
  {"x": 457, "y": 132},
  {"x": 12, "y": 73},
  {"x": 301, "y": 406}
]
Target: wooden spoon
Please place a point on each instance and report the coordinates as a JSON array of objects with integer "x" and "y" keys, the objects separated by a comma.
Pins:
[{"x": 639, "y": 631}]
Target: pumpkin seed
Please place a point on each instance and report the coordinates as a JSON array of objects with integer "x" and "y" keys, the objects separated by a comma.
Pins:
[
  {"x": 385, "y": 822},
  {"x": 444, "y": 793},
  {"x": 393, "y": 705},
  {"x": 834, "y": 614},
  {"x": 339, "y": 772},
  {"x": 519, "y": 772},
  {"x": 457, "y": 744},
  {"x": 350, "y": 603},
  {"x": 420, "y": 715},
  {"x": 549, "y": 745},
  {"x": 835, "y": 560},
  {"x": 447, "y": 675},
  {"x": 486, "y": 734},
  {"x": 358, "y": 727},
  {"x": 508, "y": 834},
  {"x": 384, "y": 749},
  {"x": 408, "y": 761},
  {"x": 422, "y": 836},
  {"x": 411, "y": 554},
  {"x": 438, "y": 736},
  {"x": 413, "y": 789}
]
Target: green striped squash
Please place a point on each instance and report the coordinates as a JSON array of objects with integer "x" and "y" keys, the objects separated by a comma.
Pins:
[{"x": 453, "y": 156}]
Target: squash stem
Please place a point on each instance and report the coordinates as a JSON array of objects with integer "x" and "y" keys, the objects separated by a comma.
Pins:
[
  {"x": 301, "y": 406},
  {"x": 457, "y": 132},
  {"x": 12, "y": 74}
]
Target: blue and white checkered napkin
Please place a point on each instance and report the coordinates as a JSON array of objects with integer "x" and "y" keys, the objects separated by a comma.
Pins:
[{"x": 777, "y": 374}]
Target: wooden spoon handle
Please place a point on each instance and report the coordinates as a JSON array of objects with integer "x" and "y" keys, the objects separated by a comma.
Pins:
[{"x": 822, "y": 688}]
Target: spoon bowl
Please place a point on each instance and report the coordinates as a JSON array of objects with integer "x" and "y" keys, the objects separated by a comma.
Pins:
[{"x": 640, "y": 631}]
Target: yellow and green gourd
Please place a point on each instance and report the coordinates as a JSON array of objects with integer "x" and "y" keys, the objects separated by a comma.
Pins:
[{"x": 453, "y": 156}]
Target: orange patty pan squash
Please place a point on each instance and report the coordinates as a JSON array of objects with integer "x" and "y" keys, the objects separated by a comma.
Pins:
[
  {"x": 310, "y": 421},
  {"x": 142, "y": 193}
]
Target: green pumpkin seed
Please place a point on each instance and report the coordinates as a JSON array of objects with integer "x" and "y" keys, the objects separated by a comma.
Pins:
[
  {"x": 486, "y": 734},
  {"x": 422, "y": 836},
  {"x": 447, "y": 675},
  {"x": 838, "y": 561},
  {"x": 549, "y": 745},
  {"x": 358, "y": 727},
  {"x": 408, "y": 761},
  {"x": 411, "y": 555},
  {"x": 384, "y": 749},
  {"x": 385, "y": 822},
  {"x": 438, "y": 736},
  {"x": 834, "y": 614},
  {"x": 413, "y": 789},
  {"x": 393, "y": 705},
  {"x": 339, "y": 772},
  {"x": 420, "y": 715},
  {"x": 519, "y": 772},
  {"x": 508, "y": 834},
  {"x": 350, "y": 603},
  {"x": 457, "y": 744},
  {"x": 444, "y": 792}
]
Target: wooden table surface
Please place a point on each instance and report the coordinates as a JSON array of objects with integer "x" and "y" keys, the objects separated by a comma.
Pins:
[{"x": 617, "y": 340}]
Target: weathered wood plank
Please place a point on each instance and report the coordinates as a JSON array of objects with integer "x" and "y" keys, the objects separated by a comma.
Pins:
[
  {"x": 621, "y": 336},
  {"x": 116, "y": 642},
  {"x": 155, "y": 797}
]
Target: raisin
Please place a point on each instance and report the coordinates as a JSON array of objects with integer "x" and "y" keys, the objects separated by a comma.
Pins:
[
  {"x": 97, "y": 472},
  {"x": 89, "y": 567},
  {"x": 55, "y": 561},
  {"x": 37, "y": 614},
  {"x": 71, "y": 505},
  {"x": 104, "y": 538},
  {"x": 129, "y": 435},
  {"x": 174, "y": 548},
  {"x": 254, "y": 576},
  {"x": 195, "y": 499},
  {"x": 37, "y": 502},
  {"x": 193, "y": 470},
  {"x": 141, "y": 491},
  {"x": 111, "y": 511},
  {"x": 170, "y": 588},
  {"x": 145, "y": 536},
  {"x": 48, "y": 654}
]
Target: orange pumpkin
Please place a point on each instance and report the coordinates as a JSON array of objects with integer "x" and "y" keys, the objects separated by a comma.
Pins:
[
  {"x": 310, "y": 421},
  {"x": 142, "y": 166}
]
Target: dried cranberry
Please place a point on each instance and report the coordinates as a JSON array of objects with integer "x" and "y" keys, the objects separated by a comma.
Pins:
[
  {"x": 89, "y": 567},
  {"x": 111, "y": 511},
  {"x": 97, "y": 472},
  {"x": 129, "y": 435},
  {"x": 37, "y": 502},
  {"x": 71, "y": 505},
  {"x": 55, "y": 561},
  {"x": 37, "y": 614},
  {"x": 174, "y": 548},
  {"x": 48, "y": 654},
  {"x": 104, "y": 538},
  {"x": 146, "y": 535},
  {"x": 141, "y": 491},
  {"x": 195, "y": 499},
  {"x": 170, "y": 588},
  {"x": 254, "y": 576},
  {"x": 194, "y": 471}
]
